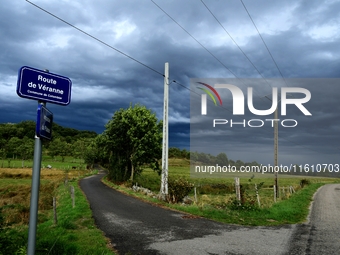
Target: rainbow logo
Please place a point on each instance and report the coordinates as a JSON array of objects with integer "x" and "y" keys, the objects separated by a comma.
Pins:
[
  {"x": 209, "y": 93},
  {"x": 204, "y": 97}
]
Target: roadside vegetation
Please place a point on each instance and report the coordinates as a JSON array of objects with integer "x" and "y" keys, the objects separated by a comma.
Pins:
[
  {"x": 73, "y": 233},
  {"x": 216, "y": 199}
]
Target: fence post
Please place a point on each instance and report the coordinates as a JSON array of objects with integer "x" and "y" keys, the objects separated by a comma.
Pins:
[
  {"x": 237, "y": 188},
  {"x": 195, "y": 194},
  {"x": 55, "y": 219},
  {"x": 72, "y": 196},
  {"x": 257, "y": 195},
  {"x": 274, "y": 193}
]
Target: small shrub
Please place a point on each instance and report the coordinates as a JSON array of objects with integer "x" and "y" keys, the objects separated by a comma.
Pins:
[
  {"x": 248, "y": 202},
  {"x": 178, "y": 189},
  {"x": 304, "y": 182},
  {"x": 248, "y": 205}
]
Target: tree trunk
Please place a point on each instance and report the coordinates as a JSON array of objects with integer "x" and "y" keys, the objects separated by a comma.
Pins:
[{"x": 132, "y": 171}]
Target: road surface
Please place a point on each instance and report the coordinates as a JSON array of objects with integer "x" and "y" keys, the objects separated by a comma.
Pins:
[
  {"x": 136, "y": 227},
  {"x": 321, "y": 234}
]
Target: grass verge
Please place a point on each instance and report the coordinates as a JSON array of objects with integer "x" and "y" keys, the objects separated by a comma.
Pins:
[
  {"x": 289, "y": 211},
  {"x": 74, "y": 233}
]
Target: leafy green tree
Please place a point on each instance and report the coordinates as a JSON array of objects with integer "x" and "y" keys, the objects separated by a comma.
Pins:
[
  {"x": 174, "y": 152},
  {"x": 133, "y": 139},
  {"x": 194, "y": 156},
  {"x": 25, "y": 149},
  {"x": 26, "y": 128},
  {"x": 7, "y": 131},
  {"x": 185, "y": 154},
  {"x": 12, "y": 149},
  {"x": 58, "y": 147},
  {"x": 222, "y": 159},
  {"x": 3, "y": 150},
  {"x": 79, "y": 147},
  {"x": 239, "y": 163}
]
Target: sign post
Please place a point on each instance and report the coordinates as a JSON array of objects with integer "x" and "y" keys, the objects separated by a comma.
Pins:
[
  {"x": 44, "y": 87},
  {"x": 32, "y": 228}
]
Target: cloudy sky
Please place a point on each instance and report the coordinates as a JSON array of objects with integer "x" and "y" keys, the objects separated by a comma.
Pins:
[{"x": 199, "y": 39}]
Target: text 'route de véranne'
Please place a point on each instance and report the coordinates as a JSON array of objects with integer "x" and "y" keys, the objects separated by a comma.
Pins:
[{"x": 45, "y": 88}]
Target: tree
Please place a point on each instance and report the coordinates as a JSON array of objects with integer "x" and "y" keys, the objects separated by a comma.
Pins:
[
  {"x": 222, "y": 159},
  {"x": 174, "y": 152},
  {"x": 239, "y": 163},
  {"x": 91, "y": 154},
  {"x": 58, "y": 147},
  {"x": 12, "y": 149},
  {"x": 25, "y": 149},
  {"x": 3, "y": 150},
  {"x": 79, "y": 147},
  {"x": 133, "y": 139},
  {"x": 194, "y": 156}
]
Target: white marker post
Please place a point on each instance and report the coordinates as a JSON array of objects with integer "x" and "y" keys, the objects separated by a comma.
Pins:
[{"x": 165, "y": 147}]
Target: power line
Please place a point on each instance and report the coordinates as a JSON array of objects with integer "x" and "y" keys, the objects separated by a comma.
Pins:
[
  {"x": 264, "y": 42},
  {"x": 202, "y": 45},
  {"x": 235, "y": 42},
  {"x": 95, "y": 38},
  {"x": 194, "y": 39}
]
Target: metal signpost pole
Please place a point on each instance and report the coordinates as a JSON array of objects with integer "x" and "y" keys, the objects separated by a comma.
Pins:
[{"x": 34, "y": 194}]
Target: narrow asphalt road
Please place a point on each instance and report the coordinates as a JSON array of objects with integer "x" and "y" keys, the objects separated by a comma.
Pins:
[
  {"x": 321, "y": 234},
  {"x": 136, "y": 227}
]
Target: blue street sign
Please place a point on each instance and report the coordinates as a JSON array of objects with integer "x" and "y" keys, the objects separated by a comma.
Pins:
[
  {"x": 44, "y": 122},
  {"x": 40, "y": 85}
]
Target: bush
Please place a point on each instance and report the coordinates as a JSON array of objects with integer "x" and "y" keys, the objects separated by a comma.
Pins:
[
  {"x": 178, "y": 189},
  {"x": 248, "y": 202},
  {"x": 248, "y": 205},
  {"x": 304, "y": 182}
]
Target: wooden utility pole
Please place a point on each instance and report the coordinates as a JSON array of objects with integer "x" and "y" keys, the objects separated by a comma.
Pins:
[
  {"x": 276, "y": 145},
  {"x": 165, "y": 147}
]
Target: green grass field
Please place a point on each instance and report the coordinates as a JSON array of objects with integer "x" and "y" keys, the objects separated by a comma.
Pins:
[{"x": 55, "y": 163}]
